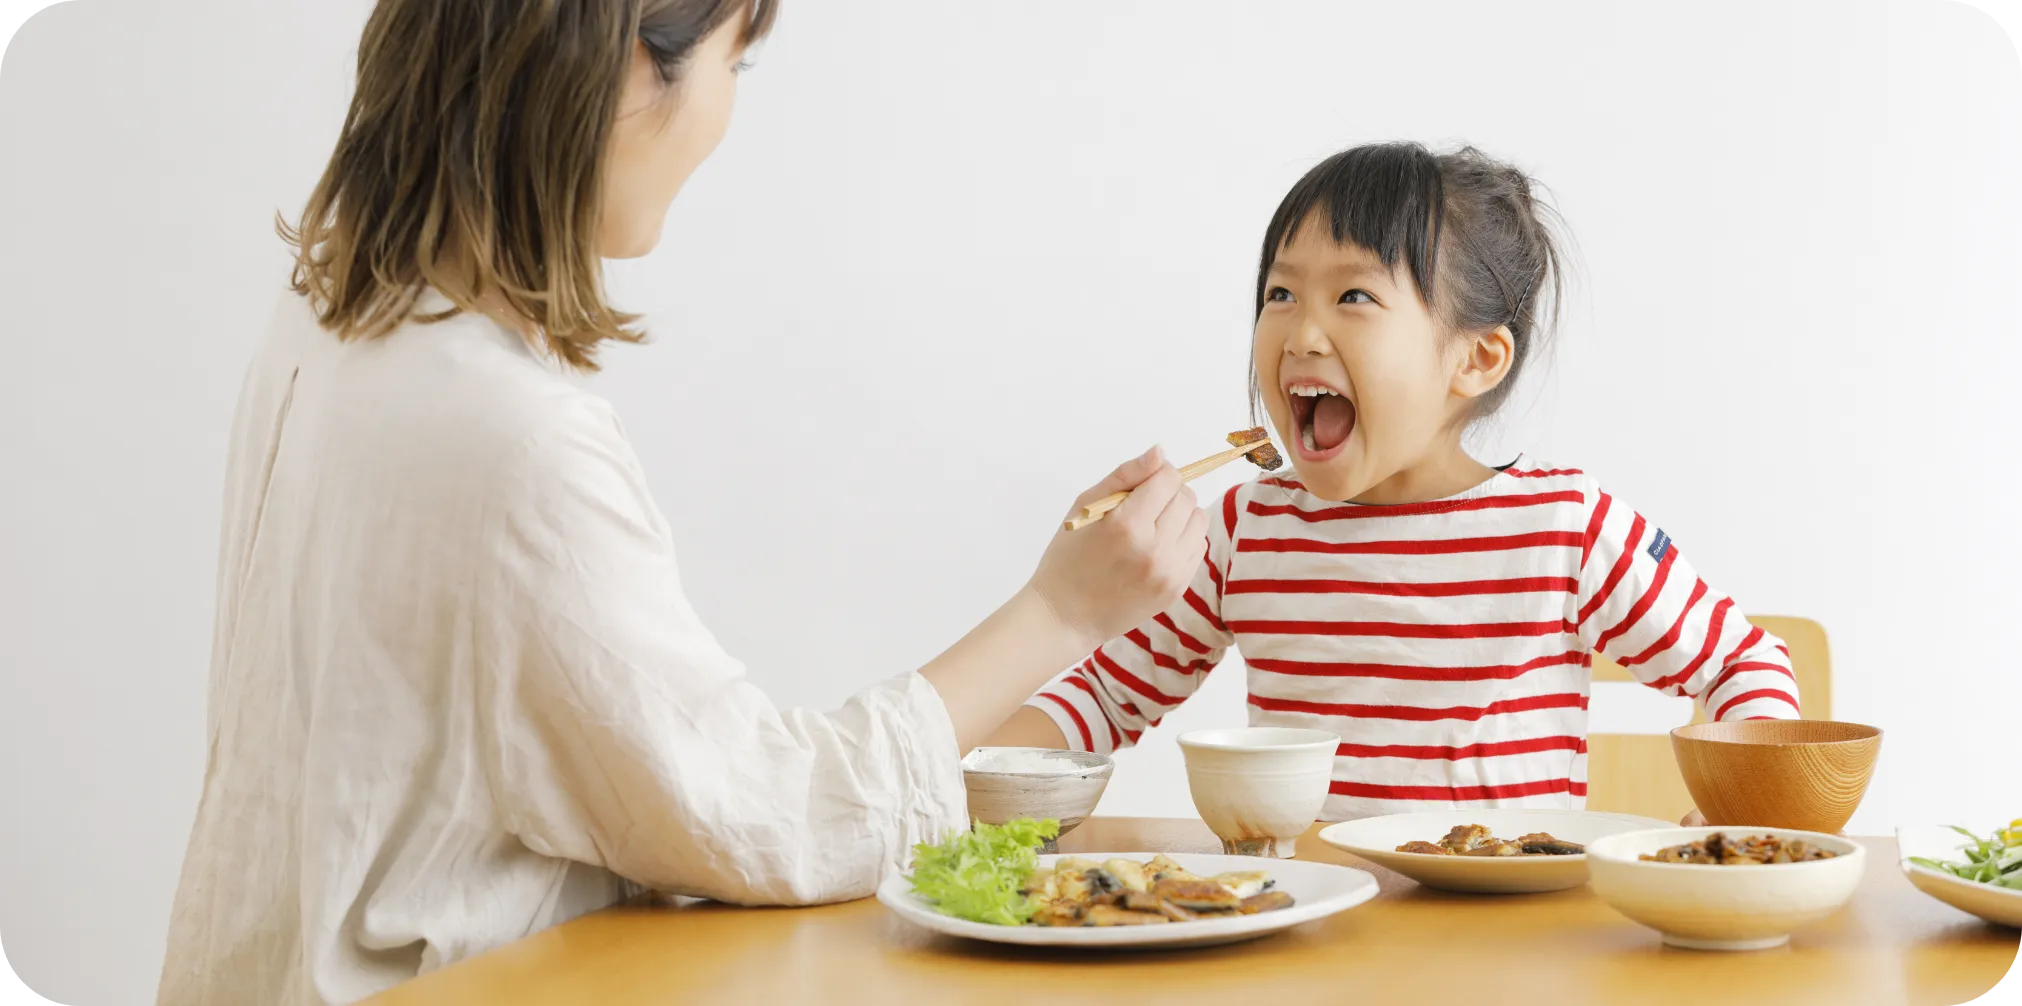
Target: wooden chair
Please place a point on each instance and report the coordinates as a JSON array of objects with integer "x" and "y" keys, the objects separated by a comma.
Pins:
[{"x": 1637, "y": 774}]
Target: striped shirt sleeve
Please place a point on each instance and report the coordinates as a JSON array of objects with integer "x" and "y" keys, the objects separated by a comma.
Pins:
[
  {"x": 1642, "y": 606},
  {"x": 1128, "y": 684}
]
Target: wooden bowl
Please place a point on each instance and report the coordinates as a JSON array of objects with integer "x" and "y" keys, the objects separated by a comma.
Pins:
[{"x": 1803, "y": 775}]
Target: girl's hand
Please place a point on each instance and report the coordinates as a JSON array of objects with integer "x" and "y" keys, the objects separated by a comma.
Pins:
[
  {"x": 1113, "y": 575},
  {"x": 1693, "y": 819}
]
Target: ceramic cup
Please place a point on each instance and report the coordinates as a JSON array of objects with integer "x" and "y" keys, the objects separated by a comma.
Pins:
[{"x": 1259, "y": 788}]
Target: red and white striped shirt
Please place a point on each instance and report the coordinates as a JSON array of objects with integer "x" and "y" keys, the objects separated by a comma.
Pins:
[{"x": 1448, "y": 643}]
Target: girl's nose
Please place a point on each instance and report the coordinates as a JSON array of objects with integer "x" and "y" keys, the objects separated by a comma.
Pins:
[{"x": 1308, "y": 340}]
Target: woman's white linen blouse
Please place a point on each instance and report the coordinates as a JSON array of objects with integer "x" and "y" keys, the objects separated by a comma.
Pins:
[{"x": 457, "y": 694}]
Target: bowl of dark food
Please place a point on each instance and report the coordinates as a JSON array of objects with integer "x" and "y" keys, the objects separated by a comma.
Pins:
[
  {"x": 1723, "y": 888},
  {"x": 1484, "y": 851}
]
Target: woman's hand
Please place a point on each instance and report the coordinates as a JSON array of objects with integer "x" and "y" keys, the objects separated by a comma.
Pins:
[
  {"x": 1113, "y": 575},
  {"x": 1092, "y": 585},
  {"x": 1693, "y": 819}
]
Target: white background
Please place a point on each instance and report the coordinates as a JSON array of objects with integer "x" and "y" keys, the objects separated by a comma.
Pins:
[{"x": 1019, "y": 240}]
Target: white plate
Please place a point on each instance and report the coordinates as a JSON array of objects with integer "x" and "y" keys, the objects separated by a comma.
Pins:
[
  {"x": 1376, "y": 839},
  {"x": 1998, "y": 905},
  {"x": 1317, "y": 889}
]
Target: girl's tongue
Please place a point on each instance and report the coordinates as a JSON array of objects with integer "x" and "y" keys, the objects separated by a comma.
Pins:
[{"x": 1333, "y": 419}]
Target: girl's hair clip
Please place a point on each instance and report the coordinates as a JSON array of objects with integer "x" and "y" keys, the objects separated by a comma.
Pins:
[{"x": 1522, "y": 299}]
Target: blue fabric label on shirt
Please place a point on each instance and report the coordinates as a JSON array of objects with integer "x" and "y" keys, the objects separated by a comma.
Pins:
[{"x": 1660, "y": 545}]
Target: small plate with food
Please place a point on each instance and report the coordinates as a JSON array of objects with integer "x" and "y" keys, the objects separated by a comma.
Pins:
[
  {"x": 1484, "y": 851},
  {"x": 1726, "y": 888},
  {"x": 1979, "y": 876},
  {"x": 989, "y": 884}
]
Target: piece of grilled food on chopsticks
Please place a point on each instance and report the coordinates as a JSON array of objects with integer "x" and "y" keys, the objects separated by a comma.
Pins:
[{"x": 1252, "y": 443}]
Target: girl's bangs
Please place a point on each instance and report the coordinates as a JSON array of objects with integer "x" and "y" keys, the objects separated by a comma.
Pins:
[{"x": 1387, "y": 198}]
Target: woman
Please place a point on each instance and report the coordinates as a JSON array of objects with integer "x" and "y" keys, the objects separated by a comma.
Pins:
[{"x": 457, "y": 694}]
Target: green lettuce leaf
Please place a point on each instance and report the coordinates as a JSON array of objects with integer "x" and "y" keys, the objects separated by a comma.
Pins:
[{"x": 976, "y": 875}]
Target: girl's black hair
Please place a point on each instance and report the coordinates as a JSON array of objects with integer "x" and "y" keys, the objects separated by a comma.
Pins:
[{"x": 1468, "y": 227}]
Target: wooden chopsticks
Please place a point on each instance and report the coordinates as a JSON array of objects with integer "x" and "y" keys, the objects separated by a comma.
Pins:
[{"x": 1094, "y": 511}]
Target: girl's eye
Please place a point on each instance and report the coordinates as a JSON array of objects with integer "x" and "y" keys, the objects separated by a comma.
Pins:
[
  {"x": 1357, "y": 297},
  {"x": 742, "y": 65},
  {"x": 1278, "y": 294}
]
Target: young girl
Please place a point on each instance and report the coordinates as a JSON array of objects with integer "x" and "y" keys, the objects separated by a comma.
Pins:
[{"x": 1438, "y": 614}]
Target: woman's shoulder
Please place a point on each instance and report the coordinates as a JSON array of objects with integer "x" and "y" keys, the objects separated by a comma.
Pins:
[{"x": 461, "y": 389}]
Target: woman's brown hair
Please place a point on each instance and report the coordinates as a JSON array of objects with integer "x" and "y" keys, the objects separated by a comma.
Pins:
[{"x": 471, "y": 161}]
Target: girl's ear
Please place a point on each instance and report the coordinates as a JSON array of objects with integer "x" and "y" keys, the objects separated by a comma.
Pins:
[{"x": 1484, "y": 362}]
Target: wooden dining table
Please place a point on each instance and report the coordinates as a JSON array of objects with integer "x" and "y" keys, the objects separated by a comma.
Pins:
[{"x": 1411, "y": 944}]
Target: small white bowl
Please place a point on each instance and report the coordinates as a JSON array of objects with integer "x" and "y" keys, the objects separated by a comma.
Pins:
[
  {"x": 1066, "y": 792},
  {"x": 1259, "y": 788},
  {"x": 1999, "y": 905},
  {"x": 1376, "y": 839},
  {"x": 1723, "y": 907}
]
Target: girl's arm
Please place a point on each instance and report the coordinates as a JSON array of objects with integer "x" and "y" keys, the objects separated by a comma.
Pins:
[
  {"x": 1641, "y": 605},
  {"x": 1129, "y": 683}
]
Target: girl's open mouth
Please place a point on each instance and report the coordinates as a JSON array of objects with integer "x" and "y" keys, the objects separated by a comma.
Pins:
[{"x": 1322, "y": 421}]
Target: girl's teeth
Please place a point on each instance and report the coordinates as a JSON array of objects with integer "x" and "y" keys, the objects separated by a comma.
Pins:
[{"x": 1307, "y": 435}]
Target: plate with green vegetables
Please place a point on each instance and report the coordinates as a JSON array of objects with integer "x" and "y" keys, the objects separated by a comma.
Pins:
[
  {"x": 1980, "y": 874},
  {"x": 984, "y": 884}
]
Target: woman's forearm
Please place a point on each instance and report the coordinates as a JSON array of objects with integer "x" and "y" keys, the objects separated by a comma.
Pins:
[
  {"x": 1028, "y": 728},
  {"x": 986, "y": 675},
  {"x": 1092, "y": 584}
]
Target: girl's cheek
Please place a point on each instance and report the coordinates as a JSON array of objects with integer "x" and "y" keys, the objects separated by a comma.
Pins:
[{"x": 1266, "y": 350}]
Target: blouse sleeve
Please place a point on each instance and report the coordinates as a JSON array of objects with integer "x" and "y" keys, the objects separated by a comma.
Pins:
[{"x": 625, "y": 737}]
